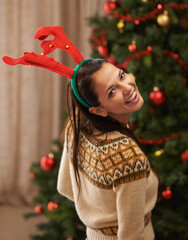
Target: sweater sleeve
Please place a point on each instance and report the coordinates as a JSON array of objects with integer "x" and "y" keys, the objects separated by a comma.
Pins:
[
  {"x": 64, "y": 185},
  {"x": 130, "y": 204}
]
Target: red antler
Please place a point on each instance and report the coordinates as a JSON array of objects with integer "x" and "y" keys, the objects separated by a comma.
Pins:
[
  {"x": 60, "y": 41},
  {"x": 40, "y": 61}
]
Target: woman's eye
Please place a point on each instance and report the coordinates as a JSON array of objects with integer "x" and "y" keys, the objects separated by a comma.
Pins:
[
  {"x": 111, "y": 92},
  {"x": 122, "y": 75}
]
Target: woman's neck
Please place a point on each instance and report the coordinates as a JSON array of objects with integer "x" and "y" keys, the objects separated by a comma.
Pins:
[{"x": 123, "y": 119}]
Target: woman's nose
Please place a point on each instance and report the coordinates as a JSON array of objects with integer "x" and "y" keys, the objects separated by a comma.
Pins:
[{"x": 126, "y": 89}]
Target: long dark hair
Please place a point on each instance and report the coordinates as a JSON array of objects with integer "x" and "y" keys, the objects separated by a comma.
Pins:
[{"x": 80, "y": 117}]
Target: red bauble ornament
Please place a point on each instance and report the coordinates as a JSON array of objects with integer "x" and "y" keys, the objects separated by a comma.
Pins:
[
  {"x": 132, "y": 47},
  {"x": 167, "y": 194},
  {"x": 47, "y": 163},
  {"x": 137, "y": 22},
  {"x": 184, "y": 156},
  {"x": 159, "y": 6},
  {"x": 52, "y": 205},
  {"x": 110, "y": 5},
  {"x": 132, "y": 126},
  {"x": 38, "y": 209},
  {"x": 157, "y": 97},
  {"x": 149, "y": 48},
  {"x": 103, "y": 50}
]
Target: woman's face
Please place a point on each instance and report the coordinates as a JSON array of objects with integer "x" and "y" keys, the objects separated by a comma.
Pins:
[{"x": 117, "y": 92}]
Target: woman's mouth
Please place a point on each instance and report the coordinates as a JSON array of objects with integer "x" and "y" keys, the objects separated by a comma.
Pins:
[{"x": 133, "y": 98}]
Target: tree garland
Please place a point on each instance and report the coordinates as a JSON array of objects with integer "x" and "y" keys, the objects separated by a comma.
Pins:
[
  {"x": 176, "y": 57},
  {"x": 149, "y": 51},
  {"x": 124, "y": 64},
  {"x": 160, "y": 140},
  {"x": 147, "y": 16}
]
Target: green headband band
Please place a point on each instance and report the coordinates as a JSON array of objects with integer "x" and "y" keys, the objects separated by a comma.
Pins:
[{"x": 74, "y": 85}]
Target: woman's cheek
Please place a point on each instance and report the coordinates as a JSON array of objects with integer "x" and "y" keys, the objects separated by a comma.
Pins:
[
  {"x": 119, "y": 99},
  {"x": 132, "y": 77}
]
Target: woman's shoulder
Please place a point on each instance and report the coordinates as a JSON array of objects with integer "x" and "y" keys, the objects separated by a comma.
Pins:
[
  {"x": 111, "y": 158},
  {"x": 109, "y": 144}
]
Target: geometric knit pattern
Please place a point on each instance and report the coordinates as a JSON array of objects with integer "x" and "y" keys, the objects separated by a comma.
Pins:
[{"x": 109, "y": 163}]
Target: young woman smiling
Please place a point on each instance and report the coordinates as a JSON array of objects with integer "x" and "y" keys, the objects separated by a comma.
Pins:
[{"x": 103, "y": 168}]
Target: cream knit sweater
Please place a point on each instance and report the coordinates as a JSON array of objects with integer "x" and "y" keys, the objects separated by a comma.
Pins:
[{"x": 118, "y": 188}]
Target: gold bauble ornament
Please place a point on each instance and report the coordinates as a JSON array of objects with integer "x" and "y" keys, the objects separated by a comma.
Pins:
[
  {"x": 51, "y": 155},
  {"x": 158, "y": 153},
  {"x": 163, "y": 19},
  {"x": 120, "y": 26}
]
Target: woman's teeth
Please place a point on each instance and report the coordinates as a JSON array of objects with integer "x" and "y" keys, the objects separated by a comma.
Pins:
[{"x": 132, "y": 97}]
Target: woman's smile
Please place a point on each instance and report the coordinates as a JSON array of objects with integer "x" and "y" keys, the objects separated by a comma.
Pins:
[{"x": 134, "y": 98}]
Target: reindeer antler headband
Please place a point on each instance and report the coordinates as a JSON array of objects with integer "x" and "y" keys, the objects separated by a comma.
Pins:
[{"x": 42, "y": 60}]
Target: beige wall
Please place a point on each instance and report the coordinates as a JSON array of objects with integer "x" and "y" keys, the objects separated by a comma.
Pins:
[{"x": 32, "y": 99}]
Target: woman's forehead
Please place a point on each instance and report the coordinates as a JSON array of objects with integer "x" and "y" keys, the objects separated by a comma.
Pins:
[
  {"x": 105, "y": 76},
  {"x": 106, "y": 72}
]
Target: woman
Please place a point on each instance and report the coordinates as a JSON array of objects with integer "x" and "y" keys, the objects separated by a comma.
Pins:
[{"x": 103, "y": 169}]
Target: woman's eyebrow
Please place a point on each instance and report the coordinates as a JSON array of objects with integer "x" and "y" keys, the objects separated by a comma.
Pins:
[
  {"x": 120, "y": 70},
  {"x": 119, "y": 75},
  {"x": 108, "y": 89}
]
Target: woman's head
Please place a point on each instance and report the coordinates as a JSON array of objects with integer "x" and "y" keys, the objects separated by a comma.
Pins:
[
  {"x": 109, "y": 91},
  {"x": 85, "y": 85}
]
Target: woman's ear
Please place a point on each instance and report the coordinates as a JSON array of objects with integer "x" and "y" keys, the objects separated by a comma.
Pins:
[{"x": 98, "y": 111}]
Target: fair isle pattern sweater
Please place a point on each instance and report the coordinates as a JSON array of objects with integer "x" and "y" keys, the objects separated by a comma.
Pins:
[{"x": 118, "y": 188}]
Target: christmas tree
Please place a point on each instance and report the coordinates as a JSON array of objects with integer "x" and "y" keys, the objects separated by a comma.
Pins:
[
  {"x": 62, "y": 220},
  {"x": 150, "y": 40}
]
